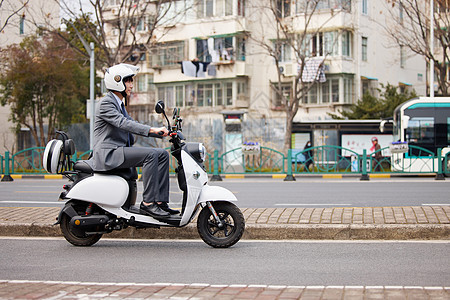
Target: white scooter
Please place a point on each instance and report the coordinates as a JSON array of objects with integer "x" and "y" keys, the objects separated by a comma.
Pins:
[{"x": 100, "y": 202}]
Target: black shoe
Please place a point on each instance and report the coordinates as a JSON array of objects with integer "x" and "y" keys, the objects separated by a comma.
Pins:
[
  {"x": 165, "y": 207},
  {"x": 153, "y": 210}
]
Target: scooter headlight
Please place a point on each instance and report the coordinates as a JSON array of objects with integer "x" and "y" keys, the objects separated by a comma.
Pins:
[{"x": 197, "y": 150}]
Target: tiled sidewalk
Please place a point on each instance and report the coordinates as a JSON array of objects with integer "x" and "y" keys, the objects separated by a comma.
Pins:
[
  {"x": 340, "y": 215},
  {"x": 348, "y": 223},
  {"x": 78, "y": 290}
]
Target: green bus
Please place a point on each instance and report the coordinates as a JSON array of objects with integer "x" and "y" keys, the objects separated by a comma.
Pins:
[{"x": 422, "y": 123}]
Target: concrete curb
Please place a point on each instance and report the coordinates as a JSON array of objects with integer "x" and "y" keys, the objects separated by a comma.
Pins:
[
  {"x": 262, "y": 232},
  {"x": 271, "y": 176}
]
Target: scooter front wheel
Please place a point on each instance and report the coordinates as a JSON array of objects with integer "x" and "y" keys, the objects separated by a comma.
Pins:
[{"x": 223, "y": 235}]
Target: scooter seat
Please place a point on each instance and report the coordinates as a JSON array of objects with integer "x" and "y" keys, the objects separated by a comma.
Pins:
[
  {"x": 127, "y": 173},
  {"x": 82, "y": 166}
]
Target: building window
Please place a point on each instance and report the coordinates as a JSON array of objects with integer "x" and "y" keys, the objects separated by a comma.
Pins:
[
  {"x": 22, "y": 24},
  {"x": 330, "y": 43},
  {"x": 303, "y": 6},
  {"x": 311, "y": 97},
  {"x": 224, "y": 49},
  {"x": 228, "y": 89},
  {"x": 167, "y": 94},
  {"x": 364, "y": 48},
  {"x": 365, "y": 9},
  {"x": 283, "y": 8},
  {"x": 335, "y": 90},
  {"x": 329, "y": 91},
  {"x": 203, "y": 94},
  {"x": 321, "y": 44},
  {"x": 167, "y": 54},
  {"x": 218, "y": 8},
  {"x": 402, "y": 56},
  {"x": 179, "y": 95},
  {"x": 141, "y": 83},
  {"x": 240, "y": 51},
  {"x": 348, "y": 90},
  {"x": 218, "y": 91},
  {"x": 369, "y": 86},
  {"x": 206, "y": 98},
  {"x": 325, "y": 87},
  {"x": 241, "y": 8},
  {"x": 347, "y": 43},
  {"x": 282, "y": 51}
]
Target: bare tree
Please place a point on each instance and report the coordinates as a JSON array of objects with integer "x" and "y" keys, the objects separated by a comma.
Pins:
[
  {"x": 296, "y": 38},
  {"x": 121, "y": 30},
  {"x": 12, "y": 10},
  {"x": 409, "y": 26}
]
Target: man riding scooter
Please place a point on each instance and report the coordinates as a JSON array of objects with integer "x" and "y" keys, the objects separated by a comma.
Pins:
[{"x": 113, "y": 141}]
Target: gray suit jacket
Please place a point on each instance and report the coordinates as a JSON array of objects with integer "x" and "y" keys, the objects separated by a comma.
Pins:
[{"x": 111, "y": 130}]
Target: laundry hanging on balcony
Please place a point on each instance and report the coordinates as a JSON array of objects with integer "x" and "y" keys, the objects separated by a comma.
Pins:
[
  {"x": 313, "y": 70},
  {"x": 194, "y": 68}
]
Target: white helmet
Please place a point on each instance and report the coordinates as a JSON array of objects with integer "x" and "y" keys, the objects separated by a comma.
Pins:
[{"x": 114, "y": 76}]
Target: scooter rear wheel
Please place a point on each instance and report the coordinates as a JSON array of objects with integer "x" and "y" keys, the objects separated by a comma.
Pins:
[
  {"x": 77, "y": 237},
  {"x": 226, "y": 236}
]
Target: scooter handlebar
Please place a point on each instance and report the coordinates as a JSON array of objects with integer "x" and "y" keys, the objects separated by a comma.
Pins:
[{"x": 158, "y": 135}]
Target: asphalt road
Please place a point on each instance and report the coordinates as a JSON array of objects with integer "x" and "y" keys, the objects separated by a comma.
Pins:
[
  {"x": 305, "y": 192},
  {"x": 356, "y": 263}
]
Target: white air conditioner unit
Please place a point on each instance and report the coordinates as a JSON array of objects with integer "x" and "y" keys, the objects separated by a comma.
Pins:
[{"x": 288, "y": 69}]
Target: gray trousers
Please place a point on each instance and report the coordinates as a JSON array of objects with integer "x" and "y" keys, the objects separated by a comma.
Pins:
[{"x": 155, "y": 171}]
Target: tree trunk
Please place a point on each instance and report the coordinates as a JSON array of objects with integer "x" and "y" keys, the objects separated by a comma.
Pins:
[{"x": 288, "y": 132}]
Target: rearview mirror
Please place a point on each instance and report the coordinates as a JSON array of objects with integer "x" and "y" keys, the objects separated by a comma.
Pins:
[{"x": 159, "y": 107}]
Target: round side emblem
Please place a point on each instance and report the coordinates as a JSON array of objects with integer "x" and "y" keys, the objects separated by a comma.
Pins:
[{"x": 117, "y": 78}]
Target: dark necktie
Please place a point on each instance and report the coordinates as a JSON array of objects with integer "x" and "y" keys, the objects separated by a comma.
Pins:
[{"x": 124, "y": 112}]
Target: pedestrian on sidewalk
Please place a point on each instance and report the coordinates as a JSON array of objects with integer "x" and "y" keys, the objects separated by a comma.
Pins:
[
  {"x": 309, "y": 156},
  {"x": 377, "y": 154}
]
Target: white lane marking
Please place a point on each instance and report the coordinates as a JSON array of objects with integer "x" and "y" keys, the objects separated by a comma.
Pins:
[
  {"x": 32, "y": 202},
  {"x": 435, "y": 204},
  {"x": 206, "y": 285},
  {"x": 36, "y": 192},
  {"x": 242, "y": 241},
  {"x": 312, "y": 204}
]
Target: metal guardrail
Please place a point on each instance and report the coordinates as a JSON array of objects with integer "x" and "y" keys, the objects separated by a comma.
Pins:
[
  {"x": 324, "y": 159},
  {"x": 28, "y": 161},
  {"x": 236, "y": 161}
]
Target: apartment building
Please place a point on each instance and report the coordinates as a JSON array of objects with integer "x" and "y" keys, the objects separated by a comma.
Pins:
[
  {"x": 209, "y": 61},
  {"x": 19, "y": 19}
]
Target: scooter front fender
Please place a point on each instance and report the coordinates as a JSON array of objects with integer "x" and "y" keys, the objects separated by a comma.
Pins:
[
  {"x": 215, "y": 193},
  {"x": 206, "y": 193}
]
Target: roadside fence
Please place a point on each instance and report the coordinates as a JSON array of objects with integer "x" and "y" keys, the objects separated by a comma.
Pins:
[{"x": 263, "y": 160}]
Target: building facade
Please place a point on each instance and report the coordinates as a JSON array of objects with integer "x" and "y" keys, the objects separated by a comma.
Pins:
[
  {"x": 19, "y": 19},
  {"x": 231, "y": 100}
]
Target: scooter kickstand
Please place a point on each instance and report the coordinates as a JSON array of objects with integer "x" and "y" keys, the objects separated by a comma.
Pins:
[{"x": 214, "y": 213}]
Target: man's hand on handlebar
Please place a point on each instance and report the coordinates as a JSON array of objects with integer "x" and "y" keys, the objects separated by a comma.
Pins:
[{"x": 161, "y": 131}]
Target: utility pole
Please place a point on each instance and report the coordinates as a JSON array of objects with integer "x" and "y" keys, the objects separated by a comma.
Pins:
[
  {"x": 431, "y": 49},
  {"x": 90, "y": 50}
]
